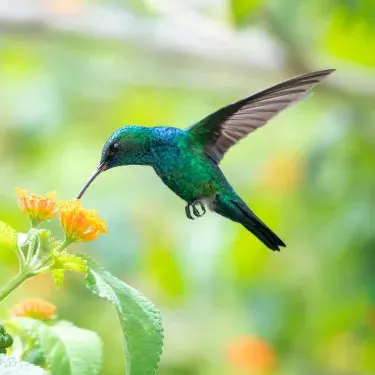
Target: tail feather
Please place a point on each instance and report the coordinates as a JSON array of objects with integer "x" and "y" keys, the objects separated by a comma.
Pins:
[{"x": 236, "y": 210}]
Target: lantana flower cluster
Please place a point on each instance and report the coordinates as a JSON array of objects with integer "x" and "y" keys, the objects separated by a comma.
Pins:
[
  {"x": 35, "y": 308},
  {"x": 79, "y": 224}
]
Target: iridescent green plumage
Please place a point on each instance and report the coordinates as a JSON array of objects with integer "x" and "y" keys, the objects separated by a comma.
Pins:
[{"x": 187, "y": 160}]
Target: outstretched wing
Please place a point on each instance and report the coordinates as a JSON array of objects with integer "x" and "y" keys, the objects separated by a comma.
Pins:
[{"x": 225, "y": 127}]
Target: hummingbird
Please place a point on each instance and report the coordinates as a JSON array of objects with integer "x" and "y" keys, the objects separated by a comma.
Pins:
[{"x": 187, "y": 160}]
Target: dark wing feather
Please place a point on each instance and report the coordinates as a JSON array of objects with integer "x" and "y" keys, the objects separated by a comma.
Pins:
[{"x": 225, "y": 127}]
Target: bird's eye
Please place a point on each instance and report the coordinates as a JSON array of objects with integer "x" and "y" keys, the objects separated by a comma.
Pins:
[{"x": 114, "y": 147}]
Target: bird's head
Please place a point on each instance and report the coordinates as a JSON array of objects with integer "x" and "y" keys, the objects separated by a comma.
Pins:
[{"x": 128, "y": 145}]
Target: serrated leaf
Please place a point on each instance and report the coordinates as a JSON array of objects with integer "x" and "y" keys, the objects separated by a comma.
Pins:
[
  {"x": 8, "y": 237},
  {"x": 13, "y": 366},
  {"x": 58, "y": 277},
  {"x": 140, "y": 320},
  {"x": 241, "y": 9},
  {"x": 69, "y": 262},
  {"x": 68, "y": 350},
  {"x": 35, "y": 357}
]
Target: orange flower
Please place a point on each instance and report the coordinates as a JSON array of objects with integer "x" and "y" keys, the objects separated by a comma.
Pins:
[
  {"x": 251, "y": 354},
  {"x": 37, "y": 207},
  {"x": 80, "y": 224},
  {"x": 34, "y": 308}
]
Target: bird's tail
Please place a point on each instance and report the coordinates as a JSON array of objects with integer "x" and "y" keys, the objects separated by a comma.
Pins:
[{"x": 236, "y": 210}]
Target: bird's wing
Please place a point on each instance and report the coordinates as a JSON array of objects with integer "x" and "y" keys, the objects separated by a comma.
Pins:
[{"x": 225, "y": 127}]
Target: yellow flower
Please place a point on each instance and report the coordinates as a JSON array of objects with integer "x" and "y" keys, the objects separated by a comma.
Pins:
[
  {"x": 37, "y": 207},
  {"x": 34, "y": 308},
  {"x": 80, "y": 224}
]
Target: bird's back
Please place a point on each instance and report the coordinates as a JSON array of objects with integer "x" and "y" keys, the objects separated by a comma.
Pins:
[{"x": 183, "y": 166}]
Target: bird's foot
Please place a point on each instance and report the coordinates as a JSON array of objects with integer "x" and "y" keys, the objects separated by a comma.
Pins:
[{"x": 191, "y": 209}]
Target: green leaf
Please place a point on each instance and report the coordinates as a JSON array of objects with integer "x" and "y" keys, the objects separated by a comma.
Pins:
[
  {"x": 242, "y": 9},
  {"x": 68, "y": 350},
  {"x": 35, "y": 356},
  {"x": 140, "y": 321},
  {"x": 13, "y": 366},
  {"x": 8, "y": 237},
  {"x": 58, "y": 277},
  {"x": 65, "y": 261}
]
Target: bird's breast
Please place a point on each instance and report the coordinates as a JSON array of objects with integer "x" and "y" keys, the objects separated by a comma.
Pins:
[{"x": 184, "y": 172}]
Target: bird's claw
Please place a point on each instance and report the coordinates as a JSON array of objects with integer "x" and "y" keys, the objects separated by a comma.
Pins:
[
  {"x": 188, "y": 213},
  {"x": 192, "y": 207}
]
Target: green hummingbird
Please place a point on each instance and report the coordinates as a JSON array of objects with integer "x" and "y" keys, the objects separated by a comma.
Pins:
[{"x": 187, "y": 161}]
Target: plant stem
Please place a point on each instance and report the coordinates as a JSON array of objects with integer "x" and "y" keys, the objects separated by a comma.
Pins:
[
  {"x": 13, "y": 284},
  {"x": 21, "y": 259},
  {"x": 45, "y": 265},
  {"x": 31, "y": 248},
  {"x": 27, "y": 270},
  {"x": 67, "y": 242}
]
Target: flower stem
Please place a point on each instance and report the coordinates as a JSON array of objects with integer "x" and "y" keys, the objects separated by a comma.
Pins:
[
  {"x": 21, "y": 259},
  {"x": 31, "y": 248},
  {"x": 13, "y": 284},
  {"x": 67, "y": 242}
]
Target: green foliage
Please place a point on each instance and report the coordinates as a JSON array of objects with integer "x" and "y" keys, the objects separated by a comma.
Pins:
[
  {"x": 6, "y": 340},
  {"x": 35, "y": 356},
  {"x": 58, "y": 277},
  {"x": 69, "y": 262},
  {"x": 66, "y": 262},
  {"x": 359, "y": 35},
  {"x": 242, "y": 10},
  {"x": 68, "y": 350},
  {"x": 13, "y": 366},
  {"x": 140, "y": 320},
  {"x": 164, "y": 266},
  {"x": 8, "y": 237},
  {"x": 60, "y": 346}
]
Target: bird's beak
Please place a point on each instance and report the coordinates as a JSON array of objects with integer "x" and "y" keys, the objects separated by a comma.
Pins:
[{"x": 101, "y": 168}]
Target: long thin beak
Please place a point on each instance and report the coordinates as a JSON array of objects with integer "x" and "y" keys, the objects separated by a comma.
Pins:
[{"x": 101, "y": 168}]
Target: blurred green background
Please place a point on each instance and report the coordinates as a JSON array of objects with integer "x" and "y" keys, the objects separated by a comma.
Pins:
[{"x": 72, "y": 71}]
